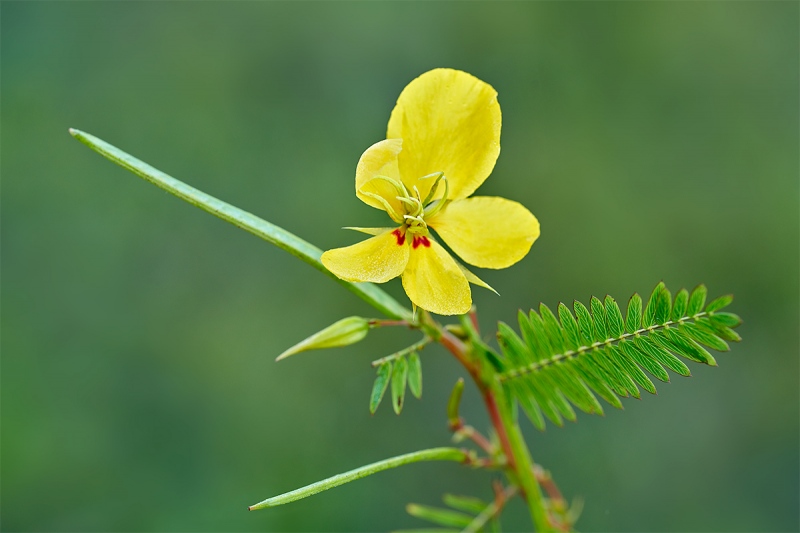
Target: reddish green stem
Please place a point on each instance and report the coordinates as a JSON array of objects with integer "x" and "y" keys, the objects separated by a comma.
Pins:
[{"x": 518, "y": 461}]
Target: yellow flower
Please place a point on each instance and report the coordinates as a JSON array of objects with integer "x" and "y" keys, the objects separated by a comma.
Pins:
[{"x": 442, "y": 142}]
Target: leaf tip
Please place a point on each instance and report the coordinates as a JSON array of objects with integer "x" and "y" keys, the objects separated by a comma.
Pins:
[{"x": 285, "y": 354}]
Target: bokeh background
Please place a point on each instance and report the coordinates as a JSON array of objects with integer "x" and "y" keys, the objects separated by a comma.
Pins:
[{"x": 653, "y": 140}]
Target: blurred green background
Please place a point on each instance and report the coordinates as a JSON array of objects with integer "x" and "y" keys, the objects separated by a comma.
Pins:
[{"x": 653, "y": 140}]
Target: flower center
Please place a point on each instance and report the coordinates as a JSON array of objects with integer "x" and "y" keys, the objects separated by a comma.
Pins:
[{"x": 415, "y": 208}]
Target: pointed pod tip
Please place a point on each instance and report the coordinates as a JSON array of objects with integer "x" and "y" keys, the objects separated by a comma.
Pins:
[
  {"x": 73, "y": 132},
  {"x": 259, "y": 506}
]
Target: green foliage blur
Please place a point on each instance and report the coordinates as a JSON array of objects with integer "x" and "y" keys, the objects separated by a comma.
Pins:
[{"x": 653, "y": 140}]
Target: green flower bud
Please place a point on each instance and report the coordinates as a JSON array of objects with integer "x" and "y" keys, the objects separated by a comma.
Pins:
[{"x": 345, "y": 332}]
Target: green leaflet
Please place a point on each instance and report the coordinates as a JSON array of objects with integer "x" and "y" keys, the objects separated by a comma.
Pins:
[
  {"x": 516, "y": 389},
  {"x": 719, "y": 303},
  {"x": 680, "y": 305},
  {"x": 616, "y": 326},
  {"x": 720, "y": 324},
  {"x": 569, "y": 360},
  {"x": 630, "y": 369},
  {"x": 599, "y": 319},
  {"x": 697, "y": 300},
  {"x": 467, "y": 504},
  {"x": 663, "y": 305},
  {"x": 539, "y": 334},
  {"x": 633, "y": 319},
  {"x": 704, "y": 337},
  {"x": 650, "y": 311},
  {"x": 442, "y": 517},
  {"x": 725, "y": 319},
  {"x": 512, "y": 346},
  {"x": 662, "y": 356},
  {"x": 641, "y": 359},
  {"x": 596, "y": 383},
  {"x": 380, "y": 386},
  {"x": 683, "y": 346},
  {"x": 585, "y": 324},
  {"x": 399, "y": 378},
  {"x": 415, "y": 374},
  {"x": 552, "y": 329},
  {"x": 571, "y": 333}
]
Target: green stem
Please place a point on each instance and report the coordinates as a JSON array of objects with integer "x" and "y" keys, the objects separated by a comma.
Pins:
[
  {"x": 405, "y": 351},
  {"x": 520, "y": 464},
  {"x": 271, "y": 233},
  {"x": 524, "y": 472},
  {"x": 433, "y": 454}
]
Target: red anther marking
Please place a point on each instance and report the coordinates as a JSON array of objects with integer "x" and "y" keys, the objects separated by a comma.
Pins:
[
  {"x": 421, "y": 240},
  {"x": 400, "y": 236}
]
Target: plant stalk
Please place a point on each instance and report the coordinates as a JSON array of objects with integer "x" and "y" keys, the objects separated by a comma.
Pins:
[
  {"x": 524, "y": 471},
  {"x": 519, "y": 462}
]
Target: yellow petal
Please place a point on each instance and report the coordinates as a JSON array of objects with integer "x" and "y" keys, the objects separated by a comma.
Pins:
[
  {"x": 487, "y": 231},
  {"x": 449, "y": 122},
  {"x": 377, "y": 259},
  {"x": 380, "y": 159},
  {"x": 434, "y": 282}
]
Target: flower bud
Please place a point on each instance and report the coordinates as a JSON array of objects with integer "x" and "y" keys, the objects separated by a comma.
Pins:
[{"x": 345, "y": 332}]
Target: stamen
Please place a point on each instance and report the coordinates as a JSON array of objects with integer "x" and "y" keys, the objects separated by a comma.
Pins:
[
  {"x": 389, "y": 209},
  {"x": 433, "y": 175},
  {"x": 435, "y": 187},
  {"x": 416, "y": 225},
  {"x": 416, "y": 205},
  {"x": 398, "y": 185},
  {"x": 432, "y": 209},
  {"x": 419, "y": 220}
]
